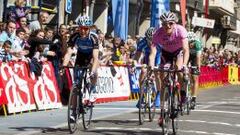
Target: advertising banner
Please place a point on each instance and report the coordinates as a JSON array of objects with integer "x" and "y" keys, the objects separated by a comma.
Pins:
[
  {"x": 45, "y": 89},
  {"x": 15, "y": 83},
  {"x": 113, "y": 83}
]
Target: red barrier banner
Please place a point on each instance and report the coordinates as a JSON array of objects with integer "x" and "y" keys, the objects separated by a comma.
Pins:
[
  {"x": 14, "y": 80},
  {"x": 45, "y": 88},
  {"x": 3, "y": 98}
]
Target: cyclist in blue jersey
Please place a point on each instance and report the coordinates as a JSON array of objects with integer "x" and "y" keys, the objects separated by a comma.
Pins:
[
  {"x": 87, "y": 52},
  {"x": 143, "y": 51}
]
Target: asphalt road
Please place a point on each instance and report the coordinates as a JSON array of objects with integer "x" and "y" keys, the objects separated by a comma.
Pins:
[{"x": 217, "y": 113}]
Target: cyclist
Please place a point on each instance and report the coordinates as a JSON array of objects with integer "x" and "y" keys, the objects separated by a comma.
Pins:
[
  {"x": 195, "y": 47},
  {"x": 173, "y": 38},
  {"x": 143, "y": 50},
  {"x": 87, "y": 52}
]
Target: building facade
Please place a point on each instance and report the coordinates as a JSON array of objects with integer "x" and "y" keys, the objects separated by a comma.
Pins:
[{"x": 225, "y": 14}]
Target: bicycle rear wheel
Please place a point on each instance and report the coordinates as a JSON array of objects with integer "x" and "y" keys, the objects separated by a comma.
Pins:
[
  {"x": 151, "y": 102},
  {"x": 87, "y": 110},
  {"x": 73, "y": 114},
  {"x": 166, "y": 112}
]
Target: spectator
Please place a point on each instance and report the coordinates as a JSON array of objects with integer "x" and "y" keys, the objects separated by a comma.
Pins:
[
  {"x": 37, "y": 42},
  {"x": 20, "y": 10},
  {"x": 49, "y": 33},
  {"x": 19, "y": 44},
  {"x": 5, "y": 51},
  {"x": 9, "y": 33},
  {"x": 23, "y": 24},
  {"x": 1, "y": 27},
  {"x": 38, "y": 24}
]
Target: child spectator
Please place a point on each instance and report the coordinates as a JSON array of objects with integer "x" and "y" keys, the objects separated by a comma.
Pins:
[{"x": 5, "y": 51}]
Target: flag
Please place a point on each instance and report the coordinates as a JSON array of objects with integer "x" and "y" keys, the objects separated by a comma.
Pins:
[
  {"x": 183, "y": 11},
  {"x": 120, "y": 18},
  {"x": 158, "y": 8}
]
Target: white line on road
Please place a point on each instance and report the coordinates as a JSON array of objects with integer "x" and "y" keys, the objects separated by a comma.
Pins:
[
  {"x": 216, "y": 111},
  {"x": 155, "y": 129}
]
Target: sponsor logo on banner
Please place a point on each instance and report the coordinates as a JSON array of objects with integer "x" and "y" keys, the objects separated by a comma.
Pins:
[
  {"x": 134, "y": 81},
  {"x": 15, "y": 82},
  {"x": 113, "y": 82},
  {"x": 45, "y": 89}
]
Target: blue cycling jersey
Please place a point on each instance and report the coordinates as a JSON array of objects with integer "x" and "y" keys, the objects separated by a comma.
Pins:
[
  {"x": 143, "y": 47},
  {"x": 84, "y": 47}
]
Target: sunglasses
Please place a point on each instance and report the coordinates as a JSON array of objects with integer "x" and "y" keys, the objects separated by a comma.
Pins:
[
  {"x": 168, "y": 23},
  {"x": 84, "y": 28}
]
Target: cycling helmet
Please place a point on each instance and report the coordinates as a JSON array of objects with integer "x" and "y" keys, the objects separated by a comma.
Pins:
[
  {"x": 149, "y": 33},
  {"x": 168, "y": 16},
  {"x": 191, "y": 36},
  {"x": 84, "y": 21}
]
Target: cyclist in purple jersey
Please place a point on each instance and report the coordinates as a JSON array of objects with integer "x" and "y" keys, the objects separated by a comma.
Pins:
[{"x": 173, "y": 38}]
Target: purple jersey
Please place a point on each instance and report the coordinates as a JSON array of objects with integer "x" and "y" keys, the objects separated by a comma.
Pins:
[{"x": 173, "y": 42}]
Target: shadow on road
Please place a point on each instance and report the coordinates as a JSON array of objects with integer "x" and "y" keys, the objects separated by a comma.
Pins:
[
  {"x": 121, "y": 132},
  {"x": 42, "y": 129},
  {"x": 117, "y": 122}
]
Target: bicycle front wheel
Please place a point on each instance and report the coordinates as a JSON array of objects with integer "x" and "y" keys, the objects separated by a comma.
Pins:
[
  {"x": 87, "y": 110},
  {"x": 175, "y": 109},
  {"x": 166, "y": 111},
  {"x": 151, "y": 102},
  {"x": 73, "y": 114}
]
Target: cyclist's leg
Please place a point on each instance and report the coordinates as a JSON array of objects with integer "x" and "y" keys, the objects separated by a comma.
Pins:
[
  {"x": 77, "y": 76},
  {"x": 157, "y": 81},
  {"x": 179, "y": 63},
  {"x": 141, "y": 77},
  {"x": 158, "y": 87}
]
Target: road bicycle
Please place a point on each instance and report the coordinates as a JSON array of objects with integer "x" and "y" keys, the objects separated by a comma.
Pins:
[
  {"x": 79, "y": 105},
  {"x": 187, "y": 106},
  {"x": 171, "y": 98},
  {"x": 146, "y": 102}
]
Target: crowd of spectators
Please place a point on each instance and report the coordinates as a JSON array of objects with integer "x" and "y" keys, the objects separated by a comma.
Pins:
[
  {"x": 35, "y": 41},
  {"x": 220, "y": 57}
]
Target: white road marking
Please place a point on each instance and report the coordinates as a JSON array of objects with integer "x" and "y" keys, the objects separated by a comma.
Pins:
[
  {"x": 155, "y": 129},
  {"x": 216, "y": 111}
]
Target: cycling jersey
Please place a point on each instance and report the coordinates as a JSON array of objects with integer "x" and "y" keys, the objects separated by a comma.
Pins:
[
  {"x": 197, "y": 48},
  {"x": 84, "y": 47},
  {"x": 170, "y": 43},
  {"x": 143, "y": 47}
]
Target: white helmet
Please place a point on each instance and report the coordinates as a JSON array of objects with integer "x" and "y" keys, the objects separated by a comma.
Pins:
[
  {"x": 84, "y": 21},
  {"x": 191, "y": 36},
  {"x": 168, "y": 16},
  {"x": 149, "y": 33}
]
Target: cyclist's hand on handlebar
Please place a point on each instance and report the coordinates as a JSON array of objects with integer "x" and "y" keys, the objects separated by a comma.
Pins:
[{"x": 185, "y": 69}]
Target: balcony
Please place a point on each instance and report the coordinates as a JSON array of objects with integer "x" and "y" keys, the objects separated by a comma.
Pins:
[
  {"x": 225, "y": 7},
  {"x": 229, "y": 22},
  {"x": 195, "y": 4}
]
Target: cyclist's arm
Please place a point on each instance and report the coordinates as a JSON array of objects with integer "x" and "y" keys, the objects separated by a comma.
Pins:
[
  {"x": 67, "y": 56},
  {"x": 185, "y": 51},
  {"x": 95, "y": 60},
  {"x": 138, "y": 56},
  {"x": 198, "y": 59},
  {"x": 152, "y": 55}
]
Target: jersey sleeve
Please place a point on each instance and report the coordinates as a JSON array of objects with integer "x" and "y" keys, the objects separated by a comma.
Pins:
[
  {"x": 182, "y": 32},
  {"x": 140, "y": 45},
  {"x": 198, "y": 46},
  {"x": 94, "y": 39}
]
